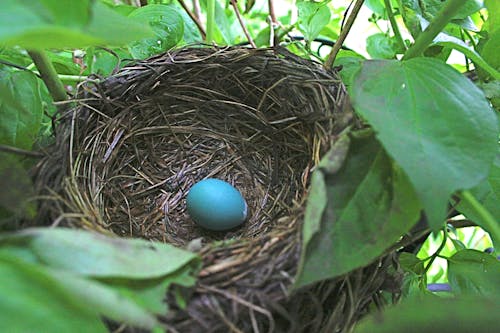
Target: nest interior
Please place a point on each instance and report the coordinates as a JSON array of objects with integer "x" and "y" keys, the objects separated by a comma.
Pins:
[{"x": 127, "y": 155}]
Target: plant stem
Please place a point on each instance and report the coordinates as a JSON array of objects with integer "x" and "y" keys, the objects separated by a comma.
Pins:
[
  {"x": 394, "y": 24},
  {"x": 242, "y": 23},
  {"x": 488, "y": 221},
  {"x": 343, "y": 34},
  {"x": 436, "y": 254},
  {"x": 210, "y": 21},
  {"x": 49, "y": 75},
  {"x": 441, "y": 19}
]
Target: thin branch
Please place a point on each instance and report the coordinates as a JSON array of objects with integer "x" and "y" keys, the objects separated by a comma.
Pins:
[
  {"x": 197, "y": 9},
  {"x": 49, "y": 75},
  {"x": 19, "y": 151},
  {"x": 343, "y": 34},
  {"x": 242, "y": 23},
  {"x": 272, "y": 13},
  {"x": 195, "y": 19},
  {"x": 442, "y": 18},
  {"x": 274, "y": 40}
]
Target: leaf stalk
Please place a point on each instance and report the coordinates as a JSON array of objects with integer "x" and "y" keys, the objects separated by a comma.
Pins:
[{"x": 49, "y": 75}]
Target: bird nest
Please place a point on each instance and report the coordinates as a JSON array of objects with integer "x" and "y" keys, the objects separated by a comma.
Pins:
[{"x": 128, "y": 153}]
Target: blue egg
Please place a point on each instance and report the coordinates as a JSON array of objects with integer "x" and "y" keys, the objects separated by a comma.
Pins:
[{"x": 216, "y": 205}]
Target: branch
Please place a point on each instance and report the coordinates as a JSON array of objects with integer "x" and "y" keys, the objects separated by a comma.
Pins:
[
  {"x": 242, "y": 23},
  {"x": 197, "y": 9},
  {"x": 272, "y": 13},
  {"x": 343, "y": 34},
  {"x": 195, "y": 19},
  {"x": 19, "y": 151},
  {"x": 49, "y": 75},
  {"x": 394, "y": 24},
  {"x": 441, "y": 19}
]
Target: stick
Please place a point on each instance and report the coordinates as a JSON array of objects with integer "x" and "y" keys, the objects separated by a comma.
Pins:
[
  {"x": 343, "y": 34},
  {"x": 242, "y": 23},
  {"x": 195, "y": 19}
]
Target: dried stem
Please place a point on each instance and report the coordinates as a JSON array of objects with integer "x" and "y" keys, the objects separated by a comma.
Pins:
[
  {"x": 272, "y": 14},
  {"x": 242, "y": 23},
  {"x": 195, "y": 18},
  {"x": 343, "y": 34},
  {"x": 18, "y": 151},
  {"x": 197, "y": 9}
]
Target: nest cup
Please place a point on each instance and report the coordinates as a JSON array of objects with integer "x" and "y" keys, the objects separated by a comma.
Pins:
[{"x": 260, "y": 119}]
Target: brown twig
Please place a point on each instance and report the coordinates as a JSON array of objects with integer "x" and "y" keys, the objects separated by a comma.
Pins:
[
  {"x": 343, "y": 34},
  {"x": 19, "y": 151},
  {"x": 195, "y": 19},
  {"x": 197, "y": 9},
  {"x": 242, "y": 23},
  {"x": 274, "y": 21}
]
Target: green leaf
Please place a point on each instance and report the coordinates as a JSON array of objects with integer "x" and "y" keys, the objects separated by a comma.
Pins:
[
  {"x": 14, "y": 55},
  {"x": 429, "y": 8},
  {"x": 149, "y": 293},
  {"x": 489, "y": 51},
  {"x": 224, "y": 23},
  {"x": 21, "y": 108},
  {"x": 433, "y": 121},
  {"x": 457, "y": 44},
  {"x": 16, "y": 186},
  {"x": 493, "y": 22},
  {"x": 472, "y": 272},
  {"x": 433, "y": 314},
  {"x": 31, "y": 300},
  {"x": 108, "y": 301},
  {"x": 487, "y": 193},
  {"x": 350, "y": 63},
  {"x": 370, "y": 204},
  {"x": 95, "y": 255},
  {"x": 40, "y": 24},
  {"x": 313, "y": 16},
  {"x": 380, "y": 46},
  {"x": 167, "y": 25}
]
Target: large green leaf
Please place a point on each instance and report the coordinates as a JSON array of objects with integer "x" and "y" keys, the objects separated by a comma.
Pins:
[
  {"x": 313, "y": 16},
  {"x": 471, "y": 272},
  {"x": 40, "y": 24},
  {"x": 32, "y": 300},
  {"x": 167, "y": 25},
  {"x": 21, "y": 108},
  {"x": 95, "y": 255},
  {"x": 435, "y": 315},
  {"x": 433, "y": 121},
  {"x": 359, "y": 204}
]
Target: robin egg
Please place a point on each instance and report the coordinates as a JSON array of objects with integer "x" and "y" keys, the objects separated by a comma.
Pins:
[{"x": 216, "y": 205}]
